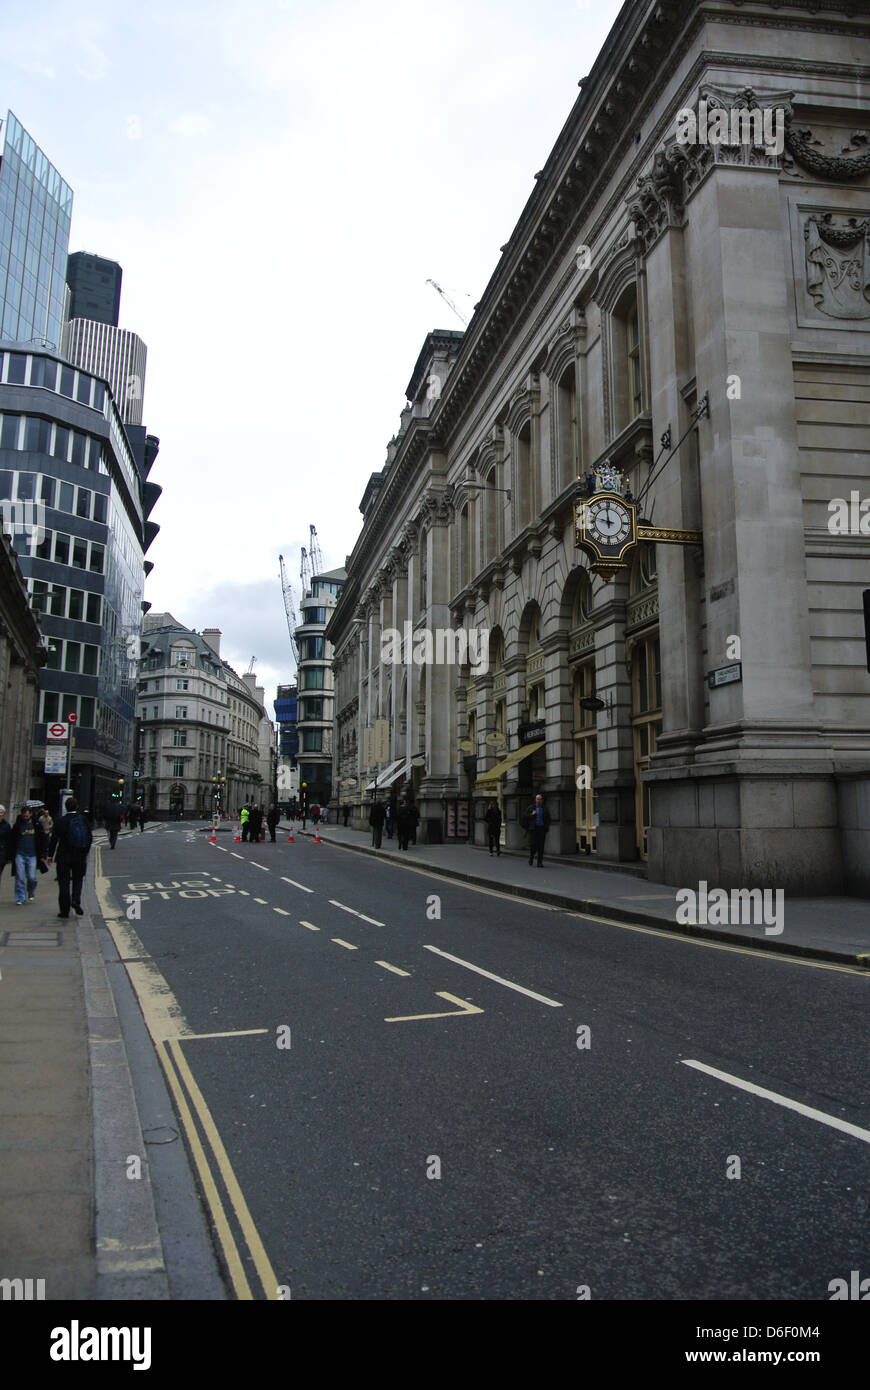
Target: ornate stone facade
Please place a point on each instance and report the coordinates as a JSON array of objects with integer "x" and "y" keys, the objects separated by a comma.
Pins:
[{"x": 698, "y": 314}]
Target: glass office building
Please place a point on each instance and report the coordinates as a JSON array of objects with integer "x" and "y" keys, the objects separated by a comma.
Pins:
[
  {"x": 35, "y": 213},
  {"x": 74, "y": 496}
]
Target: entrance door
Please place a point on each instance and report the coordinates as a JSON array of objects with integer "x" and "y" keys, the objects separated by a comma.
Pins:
[{"x": 585, "y": 759}]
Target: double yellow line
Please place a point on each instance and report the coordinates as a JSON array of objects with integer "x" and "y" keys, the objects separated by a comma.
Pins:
[{"x": 169, "y": 1029}]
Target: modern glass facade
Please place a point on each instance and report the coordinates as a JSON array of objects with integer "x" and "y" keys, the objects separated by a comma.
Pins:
[
  {"x": 71, "y": 495},
  {"x": 35, "y": 213}
]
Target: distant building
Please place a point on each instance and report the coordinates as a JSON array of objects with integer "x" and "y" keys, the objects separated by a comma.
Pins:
[
  {"x": 115, "y": 354},
  {"x": 286, "y": 716},
  {"x": 205, "y": 742},
  {"x": 95, "y": 288},
  {"x": 316, "y": 690}
]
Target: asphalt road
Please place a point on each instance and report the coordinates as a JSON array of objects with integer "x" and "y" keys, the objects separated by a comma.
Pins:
[{"x": 372, "y": 1152}]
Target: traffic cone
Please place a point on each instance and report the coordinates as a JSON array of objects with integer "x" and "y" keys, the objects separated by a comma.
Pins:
[
  {"x": 317, "y": 839},
  {"x": 290, "y": 839},
  {"x": 238, "y": 834},
  {"x": 213, "y": 840}
]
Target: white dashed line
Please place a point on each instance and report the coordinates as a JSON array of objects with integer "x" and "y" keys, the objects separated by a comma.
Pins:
[
  {"x": 235, "y": 856},
  {"x": 374, "y": 921},
  {"x": 395, "y": 969},
  {"x": 338, "y": 941},
  {"x": 309, "y": 925},
  {"x": 258, "y": 866},
  {"x": 281, "y": 910},
  {"x": 509, "y": 984},
  {"x": 831, "y": 1120},
  {"x": 261, "y": 900},
  {"x": 296, "y": 885}
]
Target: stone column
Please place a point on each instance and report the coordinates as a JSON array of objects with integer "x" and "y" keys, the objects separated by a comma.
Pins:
[{"x": 559, "y": 788}]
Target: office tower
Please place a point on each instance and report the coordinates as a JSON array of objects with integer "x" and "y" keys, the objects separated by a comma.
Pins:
[
  {"x": 316, "y": 687},
  {"x": 115, "y": 354},
  {"x": 35, "y": 213},
  {"x": 95, "y": 288}
]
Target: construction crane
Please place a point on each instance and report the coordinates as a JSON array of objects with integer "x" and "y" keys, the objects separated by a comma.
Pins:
[
  {"x": 289, "y": 609},
  {"x": 448, "y": 301},
  {"x": 312, "y": 560}
]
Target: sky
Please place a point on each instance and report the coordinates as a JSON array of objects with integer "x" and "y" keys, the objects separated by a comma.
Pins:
[{"x": 278, "y": 181}]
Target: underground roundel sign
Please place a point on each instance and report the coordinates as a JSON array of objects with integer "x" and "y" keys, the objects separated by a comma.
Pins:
[{"x": 56, "y": 731}]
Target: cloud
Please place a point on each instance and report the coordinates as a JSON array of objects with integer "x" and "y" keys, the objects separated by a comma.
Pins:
[{"x": 191, "y": 124}]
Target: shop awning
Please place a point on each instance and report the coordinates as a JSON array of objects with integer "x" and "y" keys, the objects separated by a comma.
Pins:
[
  {"x": 505, "y": 766},
  {"x": 389, "y": 781},
  {"x": 388, "y": 776}
]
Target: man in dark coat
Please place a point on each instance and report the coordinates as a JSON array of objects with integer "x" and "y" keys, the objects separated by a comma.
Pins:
[
  {"x": 537, "y": 822},
  {"x": 132, "y": 816},
  {"x": 414, "y": 812},
  {"x": 256, "y": 823},
  {"x": 345, "y": 812},
  {"x": 376, "y": 821},
  {"x": 112, "y": 822},
  {"x": 403, "y": 823},
  {"x": 493, "y": 827},
  {"x": 72, "y": 840},
  {"x": 272, "y": 820},
  {"x": 142, "y": 819}
]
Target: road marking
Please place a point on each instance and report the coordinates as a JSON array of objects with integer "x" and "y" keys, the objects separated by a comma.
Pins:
[
  {"x": 296, "y": 885},
  {"x": 235, "y": 1033},
  {"x": 281, "y": 910},
  {"x": 681, "y": 938},
  {"x": 395, "y": 969},
  {"x": 240, "y": 1206},
  {"x": 261, "y": 900},
  {"x": 521, "y": 989},
  {"x": 456, "y": 883},
  {"x": 223, "y": 849},
  {"x": 244, "y": 892},
  {"x": 235, "y": 855},
  {"x": 464, "y": 1008},
  {"x": 219, "y": 1216},
  {"x": 338, "y": 941},
  {"x": 258, "y": 866},
  {"x": 374, "y": 921},
  {"x": 309, "y": 925},
  {"x": 831, "y": 1120}
]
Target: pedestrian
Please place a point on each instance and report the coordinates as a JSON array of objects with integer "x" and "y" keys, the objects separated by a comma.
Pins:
[
  {"x": 415, "y": 821},
  {"x": 142, "y": 819},
  {"x": 536, "y": 822},
  {"x": 376, "y": 821},
  {"x": 493, "y": 827},
  {"x": 256, "y": 823},
  {"x": 70, "y": 844},
  {"x": 112, "y": 822},
  {"x": 403, "y": 823},
  {"x": 30, "y": 847},
  {"x": 6, "y": 855},
  {"x": 315, "y": 813},
  {"x": 132, "y": 816},
  {"x": 346, "y": 815},
  {"x": 272, "y": 820},
  {"x": 388, "y": 819},
  {"x": 46, "y": 822},
  {"x": 245, "y": 819}
]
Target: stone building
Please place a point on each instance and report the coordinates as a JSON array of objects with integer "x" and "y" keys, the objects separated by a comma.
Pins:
[
  {"x": 22, "y": 652},
  {"x": 685, "y": 300},
  {"x": 204, "y": 740}
]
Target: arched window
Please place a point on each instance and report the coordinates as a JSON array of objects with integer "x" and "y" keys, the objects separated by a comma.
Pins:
[
  {"x": 568, "y": 425},
  {"x": 633, "y": 362}
]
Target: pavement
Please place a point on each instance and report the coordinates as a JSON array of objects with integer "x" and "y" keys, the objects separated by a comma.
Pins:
[{"x": 78, "y": 1205}]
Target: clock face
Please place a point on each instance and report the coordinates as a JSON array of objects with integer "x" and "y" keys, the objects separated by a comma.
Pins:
[{"x": 608, "y": 521}]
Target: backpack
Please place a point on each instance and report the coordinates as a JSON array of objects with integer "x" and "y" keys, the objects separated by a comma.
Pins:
[{"x": 77, "y": 832}]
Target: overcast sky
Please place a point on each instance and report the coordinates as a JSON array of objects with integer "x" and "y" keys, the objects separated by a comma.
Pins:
[{"x": 278, "y": 180}]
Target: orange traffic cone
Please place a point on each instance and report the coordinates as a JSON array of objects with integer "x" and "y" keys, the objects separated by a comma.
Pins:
[
  {"x": 213, "y": 840},
  {"x": 290, "y": 839},
  {"x": 317, "y": 839},
  {"x": 238, "y": 834}
]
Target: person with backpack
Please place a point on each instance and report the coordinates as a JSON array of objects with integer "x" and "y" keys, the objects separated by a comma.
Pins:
[
  {"x": 71, "y": 840},
  {"x": 29, "y": 847}
]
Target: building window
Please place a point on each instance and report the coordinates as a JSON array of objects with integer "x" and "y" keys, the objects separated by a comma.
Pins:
[
  {"x": 313, "y": 709},
  {"x": 181, "y": 711},
  {"x": 312, "y": 740},
  {"x": 569, "y": 428},
  {"x": 182, "y": 684},
  {"x": 179, "y": 738},
  {"x": 177, "y": 767},
  {"x": 154, "y": 712},
  {"x": 313, "y": 679},
  {"x": 635, "y": 392}
]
